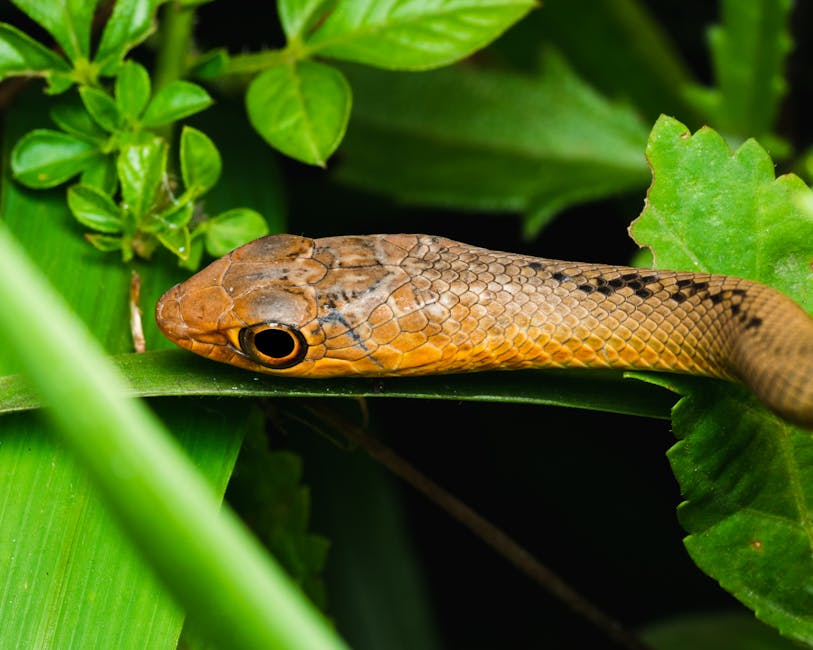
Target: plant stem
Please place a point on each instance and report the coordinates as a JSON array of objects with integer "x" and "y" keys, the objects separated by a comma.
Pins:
[
  {"x": 247, "y": 64},
  {"x": 175, "y": 41}
]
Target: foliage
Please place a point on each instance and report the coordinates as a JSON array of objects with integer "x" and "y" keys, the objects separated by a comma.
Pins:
[{"x": 552, "y": 115}]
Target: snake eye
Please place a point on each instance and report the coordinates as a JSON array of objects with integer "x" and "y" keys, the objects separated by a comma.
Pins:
[{"x": 275, "y": 345}]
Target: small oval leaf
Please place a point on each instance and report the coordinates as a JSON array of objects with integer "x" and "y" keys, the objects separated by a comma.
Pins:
[
  {"x": 71, "y": 116},
  {"x": 141, "y": 169},
  {"x": 22, "y": 55},
  {"x": 94, "y": 209},
  {"x": 132, "y": 89},
  {"x": 45, "y": 158},
  {"x": 301, "y": 109},
  {"x": 101, "y": 174},
  {"x": 101, "y": 107},
  {"x": 200, "y": 161},
  {"x": 105, "y": 243},
  {"x": 233, "y": 228},
  {"x": 176, "y": 240},
  {"x": 174, "y": 102},
  {"x": 297, "y": 16}
]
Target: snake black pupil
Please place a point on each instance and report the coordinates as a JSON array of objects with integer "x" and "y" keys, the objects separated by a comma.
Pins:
[{"x": 273, "y": 343}]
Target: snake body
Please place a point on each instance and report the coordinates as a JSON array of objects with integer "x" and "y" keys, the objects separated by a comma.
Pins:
[{"x": 383, "y": 305}]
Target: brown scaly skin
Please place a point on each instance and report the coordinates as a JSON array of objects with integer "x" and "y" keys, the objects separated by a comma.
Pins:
[{"x": 383, "y": 305}]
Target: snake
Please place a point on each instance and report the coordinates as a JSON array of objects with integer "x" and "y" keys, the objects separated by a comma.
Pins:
[{"x": 412, "y": 304}]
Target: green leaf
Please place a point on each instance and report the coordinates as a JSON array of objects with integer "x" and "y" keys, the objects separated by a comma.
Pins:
[
  {"x": 102, "y": 108},
  {"x": 750, "y": 530},
  {"x": 175, "y": 240},
  {"x": 301, "y": 109},
  {"x": 68, "y": 21},
  {"x": 200, "y": 161},
  {"x": 748, "y": 52},
  {"x": 94, "y": 209},
  {"x": 21, "y": 55},
  {"x": 141, "y": 170},
  {"x": 196, "y": 250},
  {"x": 177, "y": 372},
  {"x": 413, "y": 34},
  {"x": 210, "y": 65},
  {"x": 101, "y": 174},
  {"x": 229, "y": 586},
  {"x": 624, "y": 49},
  {"x": 233, "y": 228},
  {"x": 44, "y": 158},
  {"x": 132, "y": 89},
  {"x": 448, "y": 138},
  {"x": 129, "y": 24},
  {"x": 762, "y": 232},
  {"x": 64, "y": 557},
  {"x": 175, "y": 102},
  {"x": 268, "y": 485},
  {"x": 174, "y": 217},
  {"x": 297, "y": 17},
  {"x": 104, "y": 243},
  {"x": 71, "y": 116}
]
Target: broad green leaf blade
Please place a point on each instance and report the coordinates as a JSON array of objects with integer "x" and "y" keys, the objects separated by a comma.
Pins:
[
  {"x": 413, "y": 34},
  {"x": 94, "y": 209},
  {"x": 200, "y": 161},
  {"x": 448, "y": 138},
  {"x": 141, "y": 170},
  {"x": 129, "y": 24},
  {"x": 268, "y": 486},
  {"x": 45, "y": 158},
  {"x": 176, "y": 372},
  {"x": 209, "y": 561},
  {"x": 98, "y": 291},
  {"x": 699, "y": 186},
  {"x": 233, "y": 228},
  {"x": 174, "y": 102},
  {"x": 63, "y": 587},
  {"x": 748, "y": 53},
  {"x": 745, "y": 473},
  {"x": 132, "y": 90},
  {"x": 748, "y": 482},
  {"x": 620, "y": 47},
  {"x": 21, "y": 55},
  {"x": 301, "y": 109},
  {"x": 297, "y": 17},
  {"x": 68, "y": 21},
  {"x": 102, "y": 108}
]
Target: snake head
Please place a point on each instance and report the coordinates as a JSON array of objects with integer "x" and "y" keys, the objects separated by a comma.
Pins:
[
  {"x": 291, "y": 305},
  {"x": 246, "y": 308}
]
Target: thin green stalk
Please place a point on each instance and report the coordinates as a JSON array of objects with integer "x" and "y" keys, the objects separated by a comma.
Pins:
[
  {"x": 175, "y": 40},
  {"x": 232, "y": 590}
]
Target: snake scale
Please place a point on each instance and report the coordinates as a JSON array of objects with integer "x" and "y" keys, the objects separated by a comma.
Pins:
[{"x": 383, "y": 305}]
